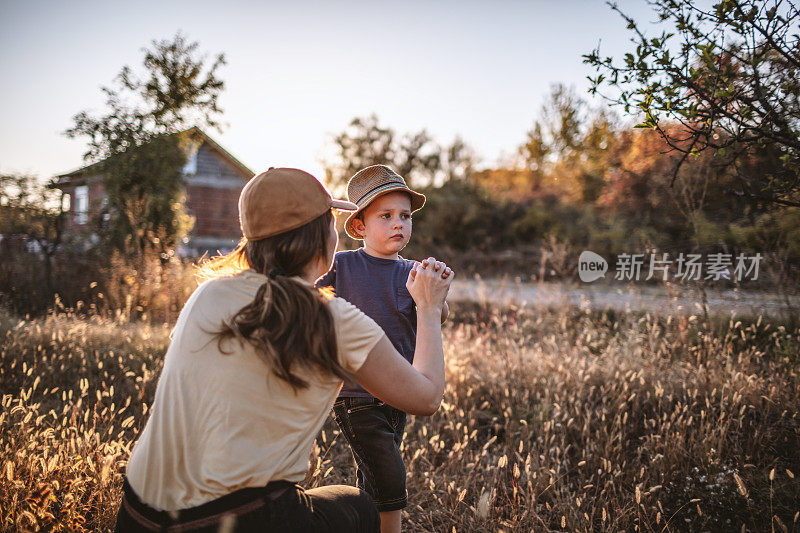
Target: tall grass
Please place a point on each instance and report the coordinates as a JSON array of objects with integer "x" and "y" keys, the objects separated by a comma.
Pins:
[{"x": 553, "y": 419}]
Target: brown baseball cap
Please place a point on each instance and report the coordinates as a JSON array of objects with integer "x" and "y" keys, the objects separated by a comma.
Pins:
[
  {"x": 282, "y": 199},
  {"x": 372, "y": 182}
]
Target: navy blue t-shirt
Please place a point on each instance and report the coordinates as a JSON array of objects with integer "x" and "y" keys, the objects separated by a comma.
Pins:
[{"x": 378, "y": 288}]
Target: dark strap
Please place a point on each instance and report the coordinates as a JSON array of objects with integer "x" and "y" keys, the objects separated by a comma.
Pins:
[{"x": 234, "y": 504}]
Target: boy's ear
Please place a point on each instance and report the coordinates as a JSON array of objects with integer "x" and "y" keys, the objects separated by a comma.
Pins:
[{"x": 358, "y": 225}]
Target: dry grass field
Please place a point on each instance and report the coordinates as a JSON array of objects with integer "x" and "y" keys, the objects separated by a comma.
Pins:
[{"x": 553, "y": 420}]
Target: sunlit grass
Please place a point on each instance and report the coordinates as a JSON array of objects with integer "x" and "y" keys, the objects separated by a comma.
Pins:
[{"x": 552, "y": 419}]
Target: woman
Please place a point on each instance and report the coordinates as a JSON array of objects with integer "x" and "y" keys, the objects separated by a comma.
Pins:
[{"x": 256, "y": 361}]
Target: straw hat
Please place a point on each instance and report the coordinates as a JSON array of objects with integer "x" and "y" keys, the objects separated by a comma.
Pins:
[{"x": 371, "y": 182}]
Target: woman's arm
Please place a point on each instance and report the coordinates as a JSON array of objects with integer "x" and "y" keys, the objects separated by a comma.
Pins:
[{"x": 417, "y": 388}]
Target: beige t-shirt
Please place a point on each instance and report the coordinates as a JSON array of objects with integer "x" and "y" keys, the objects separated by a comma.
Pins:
[{"x": 221, "y": 422}]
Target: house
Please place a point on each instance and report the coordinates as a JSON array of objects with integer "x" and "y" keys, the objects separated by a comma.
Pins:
[{"x": 214, "y": 179}]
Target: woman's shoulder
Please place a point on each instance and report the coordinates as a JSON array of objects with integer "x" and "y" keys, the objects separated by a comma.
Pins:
[
  {"x": 341, "y": 308},
  {"x": 214, "y": 301},
  {"x": 231, "y": 282},
  {"x": 224, "y": 291}
]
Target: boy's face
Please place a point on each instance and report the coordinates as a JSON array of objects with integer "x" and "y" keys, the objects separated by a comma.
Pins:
[{"x": 386, "y": 224}]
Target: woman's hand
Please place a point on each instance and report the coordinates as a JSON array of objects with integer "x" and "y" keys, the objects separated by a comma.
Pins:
[{"x": 428, "y": 282}]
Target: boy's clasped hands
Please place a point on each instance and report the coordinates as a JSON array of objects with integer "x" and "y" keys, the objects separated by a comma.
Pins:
[{"x": 438, "y": 266}]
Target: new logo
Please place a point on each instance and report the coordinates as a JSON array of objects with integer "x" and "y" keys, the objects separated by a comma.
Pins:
[{"x": 591, "y": 266}]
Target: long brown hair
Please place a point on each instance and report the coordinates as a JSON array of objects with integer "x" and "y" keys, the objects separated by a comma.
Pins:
[{"x": 288, "y": 322}]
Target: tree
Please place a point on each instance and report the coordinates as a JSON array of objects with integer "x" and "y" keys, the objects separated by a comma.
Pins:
[
  {"x": 35, "y": 213},
  {"x": 728, "y": 76},
  {"x": 139, "y": 143},
  {"x": 568, "y": 148},
  {"x": 365, "y": 142},
  {"x": 458, "y": 161}
]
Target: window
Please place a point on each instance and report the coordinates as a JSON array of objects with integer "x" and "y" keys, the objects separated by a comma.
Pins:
[
  {"x": 81, "y": 204},
  {"x": 190, "y": 168}
]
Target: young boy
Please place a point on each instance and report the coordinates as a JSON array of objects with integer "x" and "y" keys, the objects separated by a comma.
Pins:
[{"x": 373, "y": 278}]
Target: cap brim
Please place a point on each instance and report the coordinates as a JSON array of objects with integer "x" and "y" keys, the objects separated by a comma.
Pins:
[{"x": 343, "y": 205}]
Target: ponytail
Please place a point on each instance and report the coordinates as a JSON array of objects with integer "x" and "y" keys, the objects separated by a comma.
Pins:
[{"x": 288, "y": 322}]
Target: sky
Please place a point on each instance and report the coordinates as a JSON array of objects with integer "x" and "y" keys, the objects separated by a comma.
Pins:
[{"x": 298, "y": 72}]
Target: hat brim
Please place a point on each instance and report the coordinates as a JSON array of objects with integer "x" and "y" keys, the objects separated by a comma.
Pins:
[
  {"x": 417, "y": 201},
  {"x": 343, "y": 205}
]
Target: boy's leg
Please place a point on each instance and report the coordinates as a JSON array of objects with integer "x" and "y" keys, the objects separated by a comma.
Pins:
[
  {"x": 370, "y": 428},
  {"x": 391, "y": 521}
]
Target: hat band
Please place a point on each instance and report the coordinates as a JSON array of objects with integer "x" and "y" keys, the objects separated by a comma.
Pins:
[{"x": 379, "y": 187}]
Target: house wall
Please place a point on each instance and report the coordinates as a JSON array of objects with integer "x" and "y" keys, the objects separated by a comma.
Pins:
[
  {"x": 215, "y": 210},
  {"x": 210, "y": 164},
  {"x": 212, "y": 197}
]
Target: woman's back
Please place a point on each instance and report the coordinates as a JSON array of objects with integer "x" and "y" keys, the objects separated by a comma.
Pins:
[{"x": 221, "y": 422}]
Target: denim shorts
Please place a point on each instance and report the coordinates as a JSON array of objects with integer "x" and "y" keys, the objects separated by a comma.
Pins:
[{"x": 374, "y": 431}]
